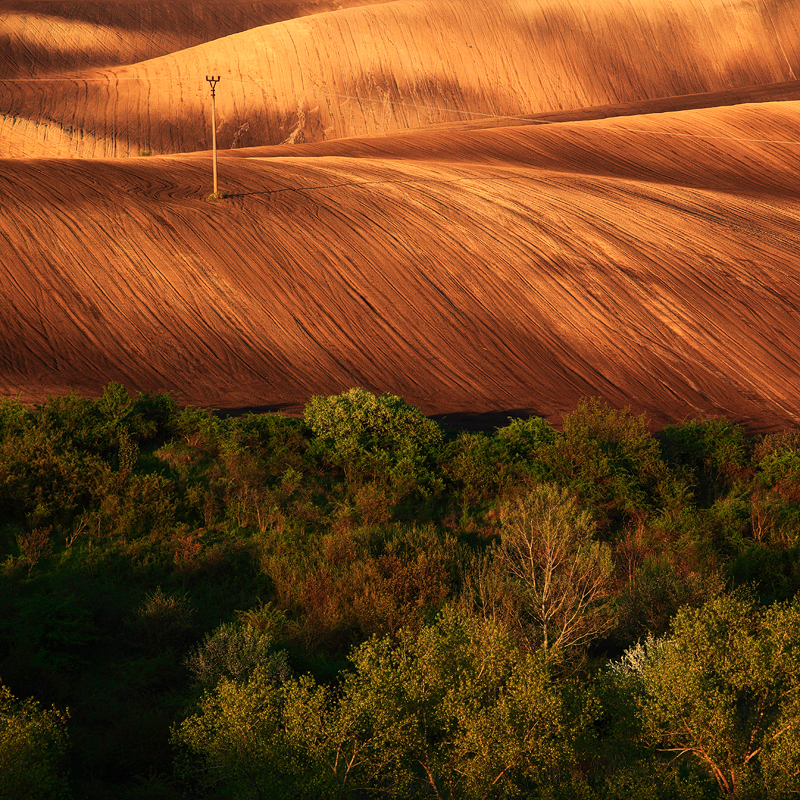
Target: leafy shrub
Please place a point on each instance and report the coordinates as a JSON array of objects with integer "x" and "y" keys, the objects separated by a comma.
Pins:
[
  {"x": 608, "y": 457},
  {"x": 153, "y": 416},
  {"x": 33, "y": 746},
  {"x": 235, "y": 652},
  {"x": 346, "y": 585},
  {"x": 142, "y": 505},
  {"x": 773, "y": 574},
  {"x": 99, "y": 426},
  {"x": 715, "y": 451},
  {"x": 380, "y": 439},
  {"x": 200, "y": 429},
  {"x": 787, "y": 441},
  {"x": 43, "y": 480},
  {"x": 279, "y": 442},
  {"x": 15, "y": 419},
  {"x": 775, "y": 499},
  {"x": 657, "y": 590},
  {"x": 162, "y": 621},
  {"x": 774, "y": 519},
  {"x": 235, "y": 744},
  {"x": 475, "y": 464},
  {"x": 525, "y": 443},
  {"x": 75, "y": 422}
]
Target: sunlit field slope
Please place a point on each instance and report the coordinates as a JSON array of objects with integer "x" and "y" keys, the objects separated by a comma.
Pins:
[
  {"x": 46, "y": 37},
  {"x": 400, "y": 65},
  {"x": 650, "y": 260}
]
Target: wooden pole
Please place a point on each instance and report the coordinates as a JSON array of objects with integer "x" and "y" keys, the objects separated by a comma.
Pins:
[{"x": 214, "y": 80}]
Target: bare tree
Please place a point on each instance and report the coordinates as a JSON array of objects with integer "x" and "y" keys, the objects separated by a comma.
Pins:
[{"x": 564, "y": 574}]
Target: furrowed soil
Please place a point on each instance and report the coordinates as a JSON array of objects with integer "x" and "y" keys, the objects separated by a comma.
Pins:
[{"x": 485, "y": 208}]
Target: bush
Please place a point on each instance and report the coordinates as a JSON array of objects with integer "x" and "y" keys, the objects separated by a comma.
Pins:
[
  {"x": 774, "y": 574},
  {"x": 656, "y": 592},
  {"x": 235, "y": 652},
  {"x": 715, "y": 451},
  {"x": 475, "y": 463},
  {"x": 162, "y": 622},
  {"x": 526, "y": 441},
  {"x": 775, "y": 501},
  {"x": 379, "y": 439},
  {"x": 235, "y": 744},
  {"x": 15, "y": 419},
  {"x": 33, "y": 746},
  {"x": 608, "y": 457}
]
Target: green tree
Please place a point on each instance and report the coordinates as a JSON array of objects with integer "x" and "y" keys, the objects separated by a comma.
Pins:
[
  {"x": 453, "y": 711},
  {"x": 236, "y": 743},
  {"x": 609, "y": 459},
  {"x": 724, "y": 688},
  {"x": 527, "y": 442},
  {"x": 33, "y": 745},
  {"x": 380, "y": 439},
  {"x": 460, "y": 711},
  {"x": 235, "y": 651}
]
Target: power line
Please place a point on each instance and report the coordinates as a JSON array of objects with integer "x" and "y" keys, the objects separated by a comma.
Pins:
[{"x": 213, "y": 80}]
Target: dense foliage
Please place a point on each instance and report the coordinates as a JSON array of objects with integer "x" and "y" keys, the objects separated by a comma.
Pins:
[{"x": 363, "y": 603}]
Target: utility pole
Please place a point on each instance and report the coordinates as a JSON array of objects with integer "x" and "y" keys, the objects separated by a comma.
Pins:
[{"x": 214, "y": 80}]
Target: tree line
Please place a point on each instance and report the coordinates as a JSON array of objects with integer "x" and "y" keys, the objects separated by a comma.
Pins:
[{"x": 364, "y": 603}]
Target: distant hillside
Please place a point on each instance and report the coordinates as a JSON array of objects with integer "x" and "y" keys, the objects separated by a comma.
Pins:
[
  {"x": 394, "y": 66},
  {"x": 652, "y": 261},
  {"x": 40, "y": 37}
]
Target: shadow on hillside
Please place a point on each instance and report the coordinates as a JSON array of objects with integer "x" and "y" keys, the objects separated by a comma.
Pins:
[
  {"x": 486, "y": 421},
  {"x": 289, "y": 409}
]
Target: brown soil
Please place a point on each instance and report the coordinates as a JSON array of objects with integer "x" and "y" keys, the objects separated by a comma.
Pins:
[{"x": 627, "y": 226}]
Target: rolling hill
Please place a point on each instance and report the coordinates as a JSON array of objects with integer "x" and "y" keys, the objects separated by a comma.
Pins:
[
  {"x": 489, "y": 208},
  {"x": 400, "y": 65}
]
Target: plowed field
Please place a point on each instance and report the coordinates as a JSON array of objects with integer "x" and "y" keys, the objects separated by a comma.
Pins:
[{"x": 481, "y": 207}]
